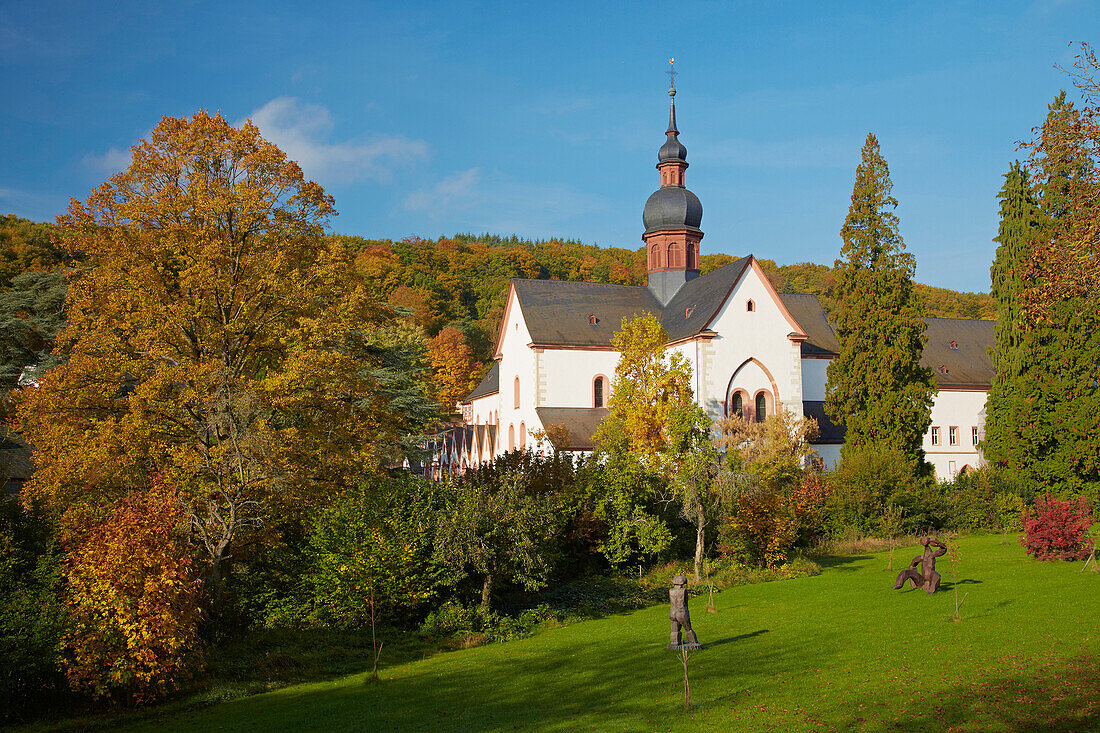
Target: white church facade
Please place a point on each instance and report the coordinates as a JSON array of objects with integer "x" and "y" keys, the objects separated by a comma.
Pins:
[{"x": 752, "y": 350}]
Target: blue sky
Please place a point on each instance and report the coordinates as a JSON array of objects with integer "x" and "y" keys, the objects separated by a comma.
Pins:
[{"x": 544, "y": 119}]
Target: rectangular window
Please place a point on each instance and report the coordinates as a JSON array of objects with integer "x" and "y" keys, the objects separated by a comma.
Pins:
[
  {"x": 951, "y": 469},
  {"x": 974, "y": 434},
  {"x": 935, "y": 436},
  {"x": 953, "y": 435}
]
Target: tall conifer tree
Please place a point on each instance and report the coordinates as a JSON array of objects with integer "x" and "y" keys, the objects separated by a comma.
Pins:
[
  {"x": 876, "y": 386},
  {"x": 1063, "y": 336},
  {"x": 1014, "y": 409}
]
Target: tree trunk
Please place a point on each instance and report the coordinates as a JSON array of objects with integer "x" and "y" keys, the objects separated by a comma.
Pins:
[
  {"x": 700, "y": 525},
  {"x": 485, "y": 589}
]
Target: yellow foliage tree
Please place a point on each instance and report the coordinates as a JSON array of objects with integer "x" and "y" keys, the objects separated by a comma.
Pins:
[{"x": 218, "y": 338}]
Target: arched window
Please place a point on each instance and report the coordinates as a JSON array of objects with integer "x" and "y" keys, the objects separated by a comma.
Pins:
[
  {"x": 597, "y": 392},
  {"x": 737, "y": 405},
  {"x": 761, "y": 407},
  {"x": 516, "y": 400},
  {"x": 511, "y": 437},
  {"x": 655, "y": 256},
  {"x": 691, "y": 264},
  {"x": 750, "y": 306},
  {"x": 674, "y": 255},
  {"x": 522, "y": 437}
]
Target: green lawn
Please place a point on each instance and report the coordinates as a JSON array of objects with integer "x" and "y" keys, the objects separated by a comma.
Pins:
[{"x": 839, "y": 651}]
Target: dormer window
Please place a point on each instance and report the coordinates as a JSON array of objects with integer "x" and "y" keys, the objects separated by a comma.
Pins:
[
  {"x": 592, "y": 320},
  {"x": 688, "y": 311},
  {"x": 954, "y": 345},
  {"x": 750, "y": 306},
  {"x": 943, "y": 369}
]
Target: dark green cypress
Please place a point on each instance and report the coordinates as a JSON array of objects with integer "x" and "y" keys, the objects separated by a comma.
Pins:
[
  {"x": 876, "y": 386},
  {"x": 1013, "y": 411}
]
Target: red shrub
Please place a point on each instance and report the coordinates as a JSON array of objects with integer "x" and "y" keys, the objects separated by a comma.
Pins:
[{"x": 1058, "y": 530}]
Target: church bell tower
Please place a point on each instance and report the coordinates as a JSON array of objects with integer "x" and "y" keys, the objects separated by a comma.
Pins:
[{"x": 671, "y": 217}]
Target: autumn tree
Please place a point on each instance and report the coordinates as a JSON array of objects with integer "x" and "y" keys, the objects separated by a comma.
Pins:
[
  {"x": 216, "y": 339},
  {"x": 453, "y": 367},
  {"x": 758, "y": 486},
  {"x": 132, "y": 599},
  {"x": 653, "y": 431},
  {"x": 876, "y": 386}
]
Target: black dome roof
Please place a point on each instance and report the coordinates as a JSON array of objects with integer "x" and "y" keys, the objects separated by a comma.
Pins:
[
  {"x": 673, "y": 149},
  {"x": 672, "y": 207}
]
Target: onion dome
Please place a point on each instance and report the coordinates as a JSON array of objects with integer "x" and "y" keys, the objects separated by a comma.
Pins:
[{"x": 672, "y": 207}]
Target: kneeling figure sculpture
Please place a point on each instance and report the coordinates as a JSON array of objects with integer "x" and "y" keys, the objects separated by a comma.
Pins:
[{"x": 927, "y": 578}]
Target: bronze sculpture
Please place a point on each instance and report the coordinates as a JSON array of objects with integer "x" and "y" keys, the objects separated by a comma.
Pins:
[
  {"x": 679, "y": 617},
  {"x": 927, "y": 578}
]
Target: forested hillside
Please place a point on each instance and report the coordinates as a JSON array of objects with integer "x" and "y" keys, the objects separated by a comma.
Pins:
[{"x": 453, "y": 290}]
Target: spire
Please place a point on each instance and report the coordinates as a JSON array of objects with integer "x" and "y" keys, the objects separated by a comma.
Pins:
[
  {"x": 671, "y": 99},
  {"x": 673, "y": 149}
]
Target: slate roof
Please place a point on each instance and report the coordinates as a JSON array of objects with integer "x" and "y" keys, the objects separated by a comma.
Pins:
[
  {"x": 581, "y": 422},
  {"x": 557, "y": 311},
  {"x": 705, "y": 296},
  {"x": 490, "y": 384},
  {"x": 968, "y": 364}
]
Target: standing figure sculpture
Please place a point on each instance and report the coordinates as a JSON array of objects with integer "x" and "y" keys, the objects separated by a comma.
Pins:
[
  {"x": 679, "y": 617},
  {"x": 927, "y": 578}
]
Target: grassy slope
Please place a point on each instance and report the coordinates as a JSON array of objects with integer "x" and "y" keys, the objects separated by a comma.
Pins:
[{"x": 836, "y": 651}]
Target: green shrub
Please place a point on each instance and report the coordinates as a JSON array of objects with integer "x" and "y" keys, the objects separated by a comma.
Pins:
[
  {"x": 449, "y": 619},
  {"x": 870, "y": 479},
  {"x": 374, "y": 539}
]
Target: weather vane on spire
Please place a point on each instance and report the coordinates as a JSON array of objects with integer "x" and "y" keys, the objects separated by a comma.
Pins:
[{"x": 671, "y": 74}]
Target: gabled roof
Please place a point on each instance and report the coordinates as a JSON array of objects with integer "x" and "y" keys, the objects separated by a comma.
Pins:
[
  {"x": 490, "y": 384},
  {"x": 807, "y": 310},
  {"x": 702, "y": 297},
  {"x": 967, "y": 364},
  {"x": 557, "y": 311},
  {"x": 581, "y": 422}
]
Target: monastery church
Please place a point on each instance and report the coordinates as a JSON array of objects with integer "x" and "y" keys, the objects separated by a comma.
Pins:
[{"x": 752, "y": 351}]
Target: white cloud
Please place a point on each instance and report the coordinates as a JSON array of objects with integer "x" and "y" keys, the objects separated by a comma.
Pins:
[
  {"x": 303, "y": 130},
  {"x": 111, "y": 162},
  {"x": 458, "y": 190}
]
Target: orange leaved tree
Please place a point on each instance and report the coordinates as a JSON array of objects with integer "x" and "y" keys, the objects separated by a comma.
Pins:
[
  {"x": 133, "y": 598},
  {"x": 218, "y": 339}
]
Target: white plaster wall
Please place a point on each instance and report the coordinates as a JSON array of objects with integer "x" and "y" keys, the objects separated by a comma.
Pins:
[
  {"x": 483, "y": 409},
  {"x": 761, "y": 334},
  {"x": 568, "y": 373},
  {"x": 517, "y": 359},
  {"x": 813, "y": 379},
  {"x": 964, "y": 409}
]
